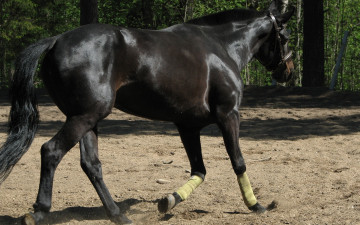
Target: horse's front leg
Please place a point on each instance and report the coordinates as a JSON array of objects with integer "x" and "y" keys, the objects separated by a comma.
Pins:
[
  {"x": 229, "y": 124},
  {"x": 191, "y": 139}
]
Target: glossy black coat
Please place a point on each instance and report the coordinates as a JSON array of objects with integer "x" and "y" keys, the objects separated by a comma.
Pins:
[{"x": 188, "y": 74}]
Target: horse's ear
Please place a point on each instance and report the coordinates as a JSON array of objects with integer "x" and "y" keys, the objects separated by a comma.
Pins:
[
  {"x": 283, "y": 18},
  {"x": 273, "y": 8}
]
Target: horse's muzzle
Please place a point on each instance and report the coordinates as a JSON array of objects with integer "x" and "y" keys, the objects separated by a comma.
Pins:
[{"x": 284, "y": 71}]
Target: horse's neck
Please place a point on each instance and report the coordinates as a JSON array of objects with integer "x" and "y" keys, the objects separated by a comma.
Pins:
[{"x": 244, "y": 41}]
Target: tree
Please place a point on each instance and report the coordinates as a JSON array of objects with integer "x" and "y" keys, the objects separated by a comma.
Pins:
[
  {"x": 313, "y": 46},
  {"x": 23, "y": 22},
  {"x": 147, "y": 13},
  {"x": 297, "y": 79},
  {"x": 88, "y": 12},
  {"x": 17, "y": 30},
  {"x": 283, "y": 5},
  {"x": 189, "y": 10}
]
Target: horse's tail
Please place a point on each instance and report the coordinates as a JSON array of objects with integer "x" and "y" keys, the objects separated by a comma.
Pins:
[{"x": 24, "y": 116}]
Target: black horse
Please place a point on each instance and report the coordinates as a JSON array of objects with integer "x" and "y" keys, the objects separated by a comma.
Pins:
[{"x": 188, "y": 74}]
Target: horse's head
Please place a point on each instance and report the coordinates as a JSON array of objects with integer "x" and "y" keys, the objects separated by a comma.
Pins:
[{"x": 274, "y": 53}]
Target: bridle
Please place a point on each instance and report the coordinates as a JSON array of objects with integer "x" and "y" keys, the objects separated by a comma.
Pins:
[{"x": 285, "y": 57}]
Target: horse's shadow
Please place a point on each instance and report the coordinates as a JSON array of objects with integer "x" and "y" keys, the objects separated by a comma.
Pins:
[{"x": 74, "y": 213}]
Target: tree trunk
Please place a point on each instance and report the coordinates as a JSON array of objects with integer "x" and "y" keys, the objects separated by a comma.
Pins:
[
  {"x": 313, "y": 46},
  {"x": 3, "y": 79},
  {"x": 189, "y": 10},
  {"x": 296, "y": 80},
  {"x": 2, "y": 51},
  {"x": 283, "y": 4},
  {"x": 298, "y": 41},
  {"x": 88, "y": 12},
  {"x": 147, "y": 13}
]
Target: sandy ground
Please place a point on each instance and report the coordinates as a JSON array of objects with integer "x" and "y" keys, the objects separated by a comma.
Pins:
[{"x": 302, "y": 148}]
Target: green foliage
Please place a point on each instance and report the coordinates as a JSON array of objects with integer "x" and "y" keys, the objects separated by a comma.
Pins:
[
  {"x": 114, "y": 11},
  {"x": 22, "y": 22},
  {"x": 17, "y": 23},
  {"x": 343, "y": 16}
]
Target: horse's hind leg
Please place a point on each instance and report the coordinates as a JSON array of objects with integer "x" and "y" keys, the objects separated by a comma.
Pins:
[
  {"x": 191, "y": 140},
  {"x": 91, "y": 165},
  {"x": 51, "y": 154},
  {"x": 229, "y": 125}
]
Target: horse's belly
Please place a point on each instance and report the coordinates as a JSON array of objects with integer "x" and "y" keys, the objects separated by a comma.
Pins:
[{"x": 141, "y": 101}]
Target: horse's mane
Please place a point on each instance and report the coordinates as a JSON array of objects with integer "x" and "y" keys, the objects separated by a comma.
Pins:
[{"x": 227, "y": 17}]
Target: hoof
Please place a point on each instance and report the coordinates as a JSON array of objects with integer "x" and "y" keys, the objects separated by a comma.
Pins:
[
  {"x": 121, "y": 219},
  {"x": 28, "y": 219},
  {"x": 166, "y": 204},
  {"x": 33, "y": 218},
  {"x": 257, "y": 208}
]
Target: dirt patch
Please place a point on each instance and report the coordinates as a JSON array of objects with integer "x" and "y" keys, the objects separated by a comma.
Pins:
[{"x": 301, "y": 147}]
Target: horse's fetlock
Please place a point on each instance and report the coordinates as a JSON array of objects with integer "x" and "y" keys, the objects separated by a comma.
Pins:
[
  {"x": 240, "y": 170},
  {"x": 41, "y": 207},
  {"x": 200, "y": 174}
]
